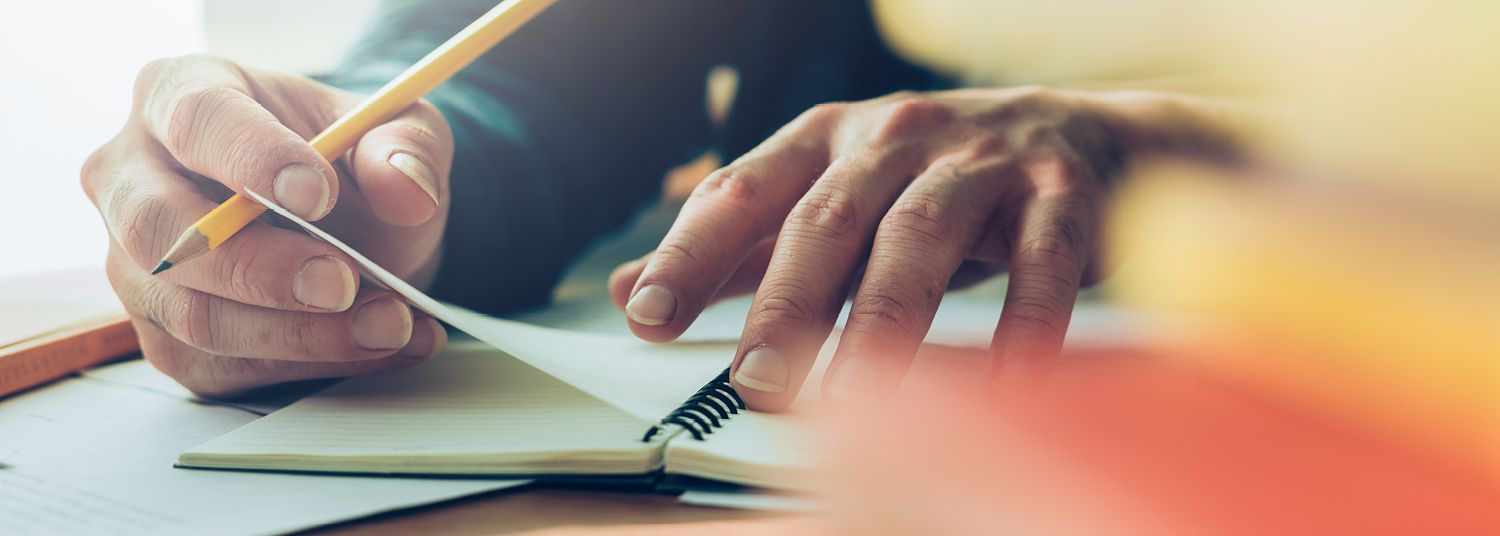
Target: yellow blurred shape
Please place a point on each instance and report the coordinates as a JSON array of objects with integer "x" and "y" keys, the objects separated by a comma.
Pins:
[
  {"x": 1360, "y": 302},
  {"x": 1058, "y": 42},
  {"x": 1395, "y": 90}
]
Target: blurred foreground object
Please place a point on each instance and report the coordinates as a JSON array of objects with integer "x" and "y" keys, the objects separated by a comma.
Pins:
[
  {"x": 1376, "y": 305},
  {"x": 1397, "y": 91},
  {"x": 1339, "y": 378},
  {"x": 1136, "y": 444},
  {"x": 1390, "y": 90}
]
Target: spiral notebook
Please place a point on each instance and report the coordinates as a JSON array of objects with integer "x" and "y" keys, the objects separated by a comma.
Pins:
[
  {"x": 476, "y": 412},
  {"x": 525, "y": 400}
]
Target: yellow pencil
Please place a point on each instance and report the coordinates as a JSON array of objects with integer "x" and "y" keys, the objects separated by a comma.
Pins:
[{"x": 437, "y": 67}]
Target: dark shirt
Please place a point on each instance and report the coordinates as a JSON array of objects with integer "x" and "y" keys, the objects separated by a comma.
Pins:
[{"x": 564, "y": 130}]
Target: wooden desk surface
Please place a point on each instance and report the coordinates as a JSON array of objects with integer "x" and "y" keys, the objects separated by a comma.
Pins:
[{"x": 535, "y": 507}]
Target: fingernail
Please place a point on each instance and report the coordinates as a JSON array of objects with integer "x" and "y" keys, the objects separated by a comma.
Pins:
[
  {"x": 325, "y": 283},
  {"x": 424, "y": 340},
  {"x": 764, "y": 369},
  {"x": 653, "y": 305},
  {"x": 383, "y": 324},
  {"x": 853, "y": 379},
  {"x": 416, "y": 170},
  {"x": 302, "y": 189}
]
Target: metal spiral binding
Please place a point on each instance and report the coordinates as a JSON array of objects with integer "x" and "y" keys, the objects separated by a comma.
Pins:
[{"x": 706, "y": 410}]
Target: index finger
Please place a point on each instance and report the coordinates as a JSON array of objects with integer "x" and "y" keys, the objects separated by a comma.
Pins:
[
  {"x": 202, "y": 112},
  {"x": 728, "y": 213}
]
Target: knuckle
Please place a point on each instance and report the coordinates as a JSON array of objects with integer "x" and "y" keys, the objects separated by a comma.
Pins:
[
  {"x": 1072, "y": 232},
  {"x": 1048, "y": 287},
  {"x": 150, "y": 77},
  {"x": 88, "y": 174},
  {"x": 239, "y": 276},
  {"x": 302, "y": 337},
  {"x": 910, "y": 117},
  {"x": 826, "y": 212},
  {"x": 989, "y": 144},
  {"x": 1037, "y": 316},
  {"x": 1054, "y": 177},
  {"x": 141, "y": 220},
  {"x": 823, "y": 115},
  {"x": 731, "y": 186},
  {"x": 195, "y": 317},
  {"x": 785, "y": 303},
  {"x": 1033, "y": 97},
  {"x": 1049, "y": 251},
  {"x": 193, "y": 112},
  {"x": 685, "y": 250},
  {"x": 134, "y": 291},
  {"x": 114, "y": 271},
  {"x": 918, "y": 218},
  {"x": 881, "y": 313},
  {"x": 153, "y": 69}
]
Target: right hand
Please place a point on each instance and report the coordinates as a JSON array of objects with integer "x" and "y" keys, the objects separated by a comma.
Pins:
[{"x": 271, "y": 304}]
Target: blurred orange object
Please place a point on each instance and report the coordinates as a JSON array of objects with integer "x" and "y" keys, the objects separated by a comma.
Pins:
[{"x": 1138, "y": 444}]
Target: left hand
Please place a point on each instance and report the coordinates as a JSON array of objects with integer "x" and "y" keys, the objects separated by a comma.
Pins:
[{"x": 892, "y": 198}]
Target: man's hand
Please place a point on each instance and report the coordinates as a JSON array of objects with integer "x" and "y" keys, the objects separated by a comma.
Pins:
[
  {"x": 891, "y": 199},
  {"x": 271, "y": 304}
]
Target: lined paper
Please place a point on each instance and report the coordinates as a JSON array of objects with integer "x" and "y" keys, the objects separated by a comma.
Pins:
[
  {"x": 33, "y": 505},
  {"x": 88, "y": 457},
  {"x": 753, "y": 448}
]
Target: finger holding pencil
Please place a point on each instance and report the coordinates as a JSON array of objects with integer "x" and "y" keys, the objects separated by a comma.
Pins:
[
  {"x": 214, "y": 228},
  {"x": 275, "y": 305}
]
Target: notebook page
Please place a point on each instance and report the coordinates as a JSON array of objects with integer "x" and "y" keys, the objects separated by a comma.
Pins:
[
  {"x": 470, "y": 410},
  {"x": 757, "y": 449},
  {"x": 644, "y": 379}
]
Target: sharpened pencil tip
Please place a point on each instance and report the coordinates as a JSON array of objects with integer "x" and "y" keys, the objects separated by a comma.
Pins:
[{"x": 162, "y": 267}]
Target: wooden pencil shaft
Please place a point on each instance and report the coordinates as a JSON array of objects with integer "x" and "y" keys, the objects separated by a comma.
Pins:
[{"x": 425, "y": 75}]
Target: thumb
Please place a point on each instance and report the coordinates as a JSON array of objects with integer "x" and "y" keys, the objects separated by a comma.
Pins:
[{"x": 401, "y": 167}]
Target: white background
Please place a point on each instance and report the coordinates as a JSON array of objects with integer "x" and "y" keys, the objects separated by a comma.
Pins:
[
  {"x": 66, "y": 71},
  {"x": 65, "y": 89}
]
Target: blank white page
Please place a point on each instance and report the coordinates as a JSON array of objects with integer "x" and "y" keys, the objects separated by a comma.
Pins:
[{"x": 472, "y": 410}]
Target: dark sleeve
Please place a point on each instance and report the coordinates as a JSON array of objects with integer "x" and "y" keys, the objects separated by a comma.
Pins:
[{"x": 563, "y": 130}]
